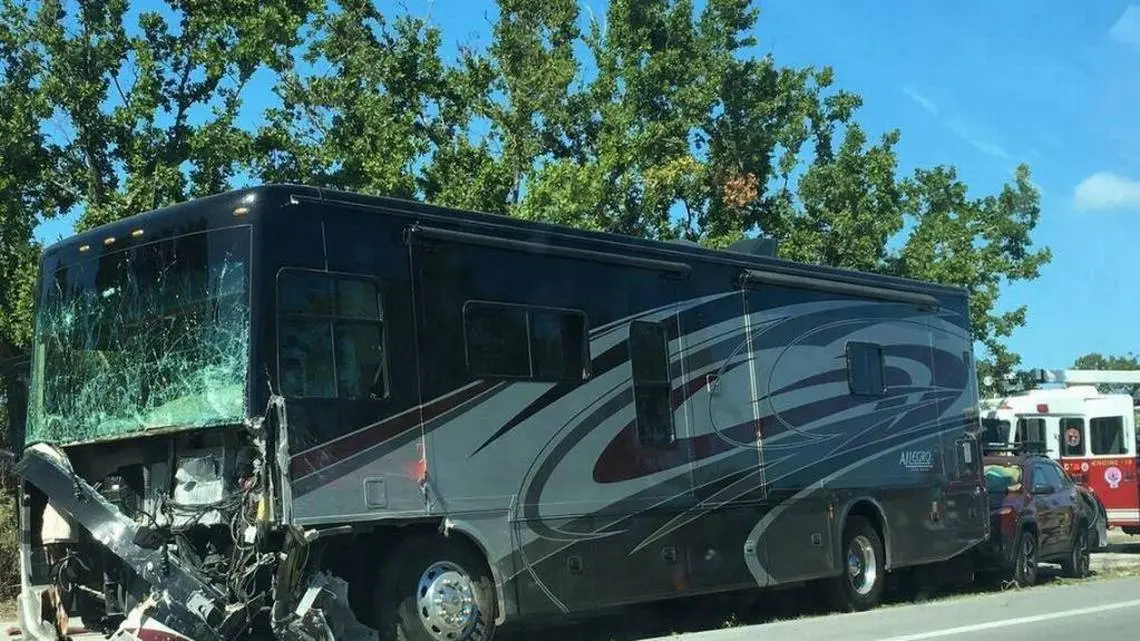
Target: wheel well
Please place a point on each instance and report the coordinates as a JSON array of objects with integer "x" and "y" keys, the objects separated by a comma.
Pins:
[
  {"x": 357, "y": 558},
  {"x": 874, "y": 515}
]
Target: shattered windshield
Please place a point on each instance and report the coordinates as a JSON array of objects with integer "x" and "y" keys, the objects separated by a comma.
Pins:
[{"x": 154, "y": 336}]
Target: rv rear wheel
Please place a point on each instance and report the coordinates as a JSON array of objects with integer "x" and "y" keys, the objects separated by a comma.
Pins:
[
  {"x": 435, "y": 589},
  {"x": 861, "y": 583}
]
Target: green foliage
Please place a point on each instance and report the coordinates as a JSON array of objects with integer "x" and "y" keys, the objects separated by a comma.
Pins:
[
  {"x": 123, "y": 102},
  {"x": 1127, "y": 362},
  {"x": 9, "y": 542},
  {"x": 653, "y": 120},
  {"x": 28, "y": 164}
]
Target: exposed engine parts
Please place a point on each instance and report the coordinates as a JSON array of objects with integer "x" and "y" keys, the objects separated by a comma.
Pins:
[{"x": 173, "y": 541}]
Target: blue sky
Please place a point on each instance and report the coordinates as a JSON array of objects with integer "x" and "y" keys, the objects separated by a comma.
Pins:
[
  {"x": 985, "y": 85},
  {"x": 982, "y": 86}
]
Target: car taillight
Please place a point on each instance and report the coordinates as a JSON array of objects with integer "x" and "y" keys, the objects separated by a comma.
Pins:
[{"x": 1008, "y": 521}]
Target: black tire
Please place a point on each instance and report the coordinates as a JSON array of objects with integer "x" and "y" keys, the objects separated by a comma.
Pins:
[
  {"x": 401, "y": 617},
  {"x": 1024, "y": 570},
  {"x": 1079, "y": 561},
  {"x": 1098, "y": 531},
  {"x": 857, "y": 591}
]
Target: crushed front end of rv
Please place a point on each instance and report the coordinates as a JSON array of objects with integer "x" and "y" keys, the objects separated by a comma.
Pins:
[{"x": 204, "y": 558}]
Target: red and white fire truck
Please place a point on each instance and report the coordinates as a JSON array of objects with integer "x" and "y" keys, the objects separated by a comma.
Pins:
[{"x": 1092, "y": 435}]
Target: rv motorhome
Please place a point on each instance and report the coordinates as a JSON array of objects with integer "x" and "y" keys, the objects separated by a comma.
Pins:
[{"x": 312, "y": 414}]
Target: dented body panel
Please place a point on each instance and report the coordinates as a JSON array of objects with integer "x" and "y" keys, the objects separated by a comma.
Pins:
[{"x": 601, "y": 419}]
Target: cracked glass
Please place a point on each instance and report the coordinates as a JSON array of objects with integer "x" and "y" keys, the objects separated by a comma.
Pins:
[{"x": 151, "y": 337}]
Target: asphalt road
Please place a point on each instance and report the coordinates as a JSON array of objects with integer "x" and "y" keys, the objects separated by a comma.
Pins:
[
  {"x": 1107, "y": 609},
  {"x": 1090, "y": 610}
]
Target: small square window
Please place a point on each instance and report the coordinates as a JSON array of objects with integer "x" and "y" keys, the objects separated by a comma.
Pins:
[
  {"x": 331, "y": 341},
  {"x": 1072, "y": 436},
  {"x": 497, "y": 341},
  {"x": 1106, "y": 435},
  {"x": 865, "y": 369}
]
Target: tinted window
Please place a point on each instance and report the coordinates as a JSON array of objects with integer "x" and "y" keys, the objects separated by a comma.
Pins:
[
  {"x": 1106, "y": 435},
  {"x": 1072, "y": 437},
  {"x": 995, "y": 431},
  {"x": 497, "y": 341},
  {"x": 652, "y": 385},
  {"x": 558, "y": 344},
  {"x": 1030, "y": 430},
  {"x": 1047, "y": 474},
  {"x": 1062, "y": 477},
  {"x": 865, "y": 374},
  {"x": 511, "y": 341},
  {"x": 331, "y": 336}
]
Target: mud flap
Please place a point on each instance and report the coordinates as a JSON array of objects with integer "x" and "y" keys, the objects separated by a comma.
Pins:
[{"x": 182, "y": 602}]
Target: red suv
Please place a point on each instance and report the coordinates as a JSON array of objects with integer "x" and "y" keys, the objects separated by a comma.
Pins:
[{"x": 1037, "y": 514}]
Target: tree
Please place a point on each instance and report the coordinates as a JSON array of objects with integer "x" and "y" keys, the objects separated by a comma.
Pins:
[
  {"x": 656, "y": 121},
  {"x": 147, "y": 117},
  {"x": 682, "y": 135},
  {"x": 665, "y": 127},
  {"x": 1127, "y": 362},
  {"x": 28, "y": 194},
  {"x": 383, "y": 114},
  {"x": 977, "y": 243}
]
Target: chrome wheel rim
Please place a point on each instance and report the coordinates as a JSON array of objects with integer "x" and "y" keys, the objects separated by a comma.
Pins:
[
  {"x": 862, "y": 570},
  {"x": 445, "y": 600}
]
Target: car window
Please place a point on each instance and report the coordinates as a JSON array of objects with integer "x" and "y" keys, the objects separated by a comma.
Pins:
[
  {"x": 1002, "y": 478},
  {"x": 1046, "y": 473},
  {"x": 1062, "y": 478}
]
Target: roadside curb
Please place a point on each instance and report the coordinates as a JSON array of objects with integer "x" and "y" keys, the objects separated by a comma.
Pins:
[{"x": 1114, "y": 561}]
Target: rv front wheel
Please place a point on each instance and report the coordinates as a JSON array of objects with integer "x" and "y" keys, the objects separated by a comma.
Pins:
[
  {"x": 435, "y": 589},
  {"x": 860, "y": 585}
]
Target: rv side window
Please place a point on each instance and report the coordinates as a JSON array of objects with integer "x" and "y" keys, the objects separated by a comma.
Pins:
[
  {"x": 652, "y": 385},
  {"x": 865, "y": 376},
  {"x": 331, "y": 336},
  {"x": 1072, "y": 437},
  {"x": 1106, "y": 435},
  {"x": 512, "y": 341}
]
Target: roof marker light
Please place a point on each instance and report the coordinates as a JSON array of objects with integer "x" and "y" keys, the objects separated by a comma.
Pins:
[
  {"x": 241, "y": 211},
  {"x": 109, "y": 240},
  {"x": 136, "y": 233},
  {"x": 1042, "y": 408},
  {"x": 84, "y": 248}
]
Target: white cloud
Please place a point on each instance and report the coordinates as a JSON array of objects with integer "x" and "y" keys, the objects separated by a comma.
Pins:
[
  {"x": 1126, "y": 29},
  {"x": 923, "y": 101},
  {"x": 1106, "y": 191}
]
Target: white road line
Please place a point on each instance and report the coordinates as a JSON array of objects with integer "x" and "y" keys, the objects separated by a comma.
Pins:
[{"x": 934, "y": 634}]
